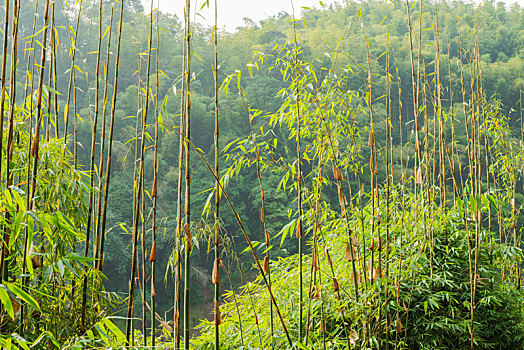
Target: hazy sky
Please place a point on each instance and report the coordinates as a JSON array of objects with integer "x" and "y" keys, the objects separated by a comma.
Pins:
[{"x": 232, "y": 12}]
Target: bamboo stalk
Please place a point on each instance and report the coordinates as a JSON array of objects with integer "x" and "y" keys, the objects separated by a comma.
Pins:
[
  {"x": 3, "y": 92},
  {"x": 36, "y": 138},
  {"x": 142, "y": 161},
  {"x": 100, "y": 235},
  {"x": 111, "y": 132},
  {"x": 139, "y": 199},
  {"x": 216, "y": 268},
  {"x": 111, "y": 128},
  {"x": 248, "y": 240},
  {"x": 31, "y": 59},
  {"x": 51, "y": 70},
  {"x": 8, "y": 178},
  {"x": 12, "y": 97},
  {"x": 299, "y": 233},
  {"x": 136, "y": 213},
  {"x": 178, "y": 254},
  {"x": 227, "y": 270},
  {"x": 94, "y": 127},
  {"x": 28, "y": 87},
  {"x": 314, "y": 259},
  {"x": 35, "y": 144},
  {"x": 72, "y": 69},
  {"x": 266, "y": 234},
  {"x": 154, "y": 191},
  {"x": 53, "y": 80},
  {"x": 143, "y": 250},
  {"x": 11, "y": 125},
  {"x": 389, "y": 172},
  {"x": 414, "y": 87},
  {"x": 187, "y": 176},
  {"x": 451, "y": 154}
]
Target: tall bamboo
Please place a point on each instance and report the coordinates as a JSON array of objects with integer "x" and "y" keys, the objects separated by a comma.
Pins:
[
  {"x": 29, "y": 88},
  {"x": 12, "y": 97},
  {"x": 72, "y": 70},
  {"x": 389, "y": 174},
  {"x": 143, "y": 229},
  {"x": 31, "y": 59},
  {"x": 177, "y": 253},
  {"x": 414, "y": 89},
  {"x": 154, "y": 193},
  {"x": 216, "y": 265},
  {"x": 110, "y": 137},
  {"x": 35, "y": 145},
  {"x": 11, "y": 116},
  {"x": 299, "y": 232},
  {"x": 94, "y": 127},
  {"x": 99, "y": 234},
  {"x": 187, "y": 175},
  {"x": 4, "y": 87},
  {"x": 53, "y": 81},
  {"x": 267, "y": 237},
  {"x": 451, "y": 152},
  {"x": 139, "y": 188},
  {"x": 136, "y": 207},
  {"x": 52, "y": 54}
]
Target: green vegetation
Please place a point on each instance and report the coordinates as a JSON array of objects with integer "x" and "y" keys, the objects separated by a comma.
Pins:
[{"x": 348, "y": 179}]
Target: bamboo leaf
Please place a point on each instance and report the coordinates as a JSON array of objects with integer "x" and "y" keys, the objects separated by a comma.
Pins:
[
  {"x": 22, "y": 295},
  {"x": 6, "y": 302},
  {"x": 285, "y": 230},
  {"x": 21, "y": 341},
  {"x": 50, "y": 89},
  {"x": 107, "y": 30},
  {"x": 114, "y": 329}
]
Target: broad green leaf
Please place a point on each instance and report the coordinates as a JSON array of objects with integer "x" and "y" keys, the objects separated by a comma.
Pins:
[
  {"x": 6, "y": 302},
  {"x": 114, "y": 329},
  {"x": 284, "y": 232},
  {"x": 22, "y": 295},
  {"x": 21, "y": 341}
]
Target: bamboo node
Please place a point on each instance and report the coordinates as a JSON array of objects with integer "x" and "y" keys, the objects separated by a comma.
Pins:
[
  {"x": 36, "y": 260},
  {"x": 337, "y": 173},
  {"x": 399, "y": 325},
  {"x": 336, "y": 286},
  {"x": 152, "y": 256},
  {"x": 215, "y": 277},
  {"x": 299, "y": 229},
  {"x": 216, "y": 308},
  {"x": 266, "y": 264},
  {"x": 418, "y": 175},
  {"x": 153, "y": 291}
]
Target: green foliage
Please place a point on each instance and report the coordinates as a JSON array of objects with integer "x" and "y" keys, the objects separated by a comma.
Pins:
[
  {"x": 345, "y": 72},
  {"x": 439, "y": 298},
  {"x": 429, "y": 289},
  {"x": 421, "y": 267},
  {"x": 46, "y": 232}
]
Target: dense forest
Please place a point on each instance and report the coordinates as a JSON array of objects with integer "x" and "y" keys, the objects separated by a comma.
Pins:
[{"x": 347, "y": 176}]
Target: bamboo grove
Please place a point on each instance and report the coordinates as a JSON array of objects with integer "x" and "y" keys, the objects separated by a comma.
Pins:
[{"x": 385, "y": 217}]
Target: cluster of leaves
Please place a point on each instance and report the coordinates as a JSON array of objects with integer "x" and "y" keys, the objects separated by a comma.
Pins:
[
  {"x": 41, "y": 299},
  {"x": 397, "y": 266},
  {"x": 60, "y": 202},
  {"x": 429, "y": 290},
  {"x": 500, "y": 42}
]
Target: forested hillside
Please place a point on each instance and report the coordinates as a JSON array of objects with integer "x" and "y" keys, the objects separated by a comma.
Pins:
[{"x": 341, "y": 177}]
